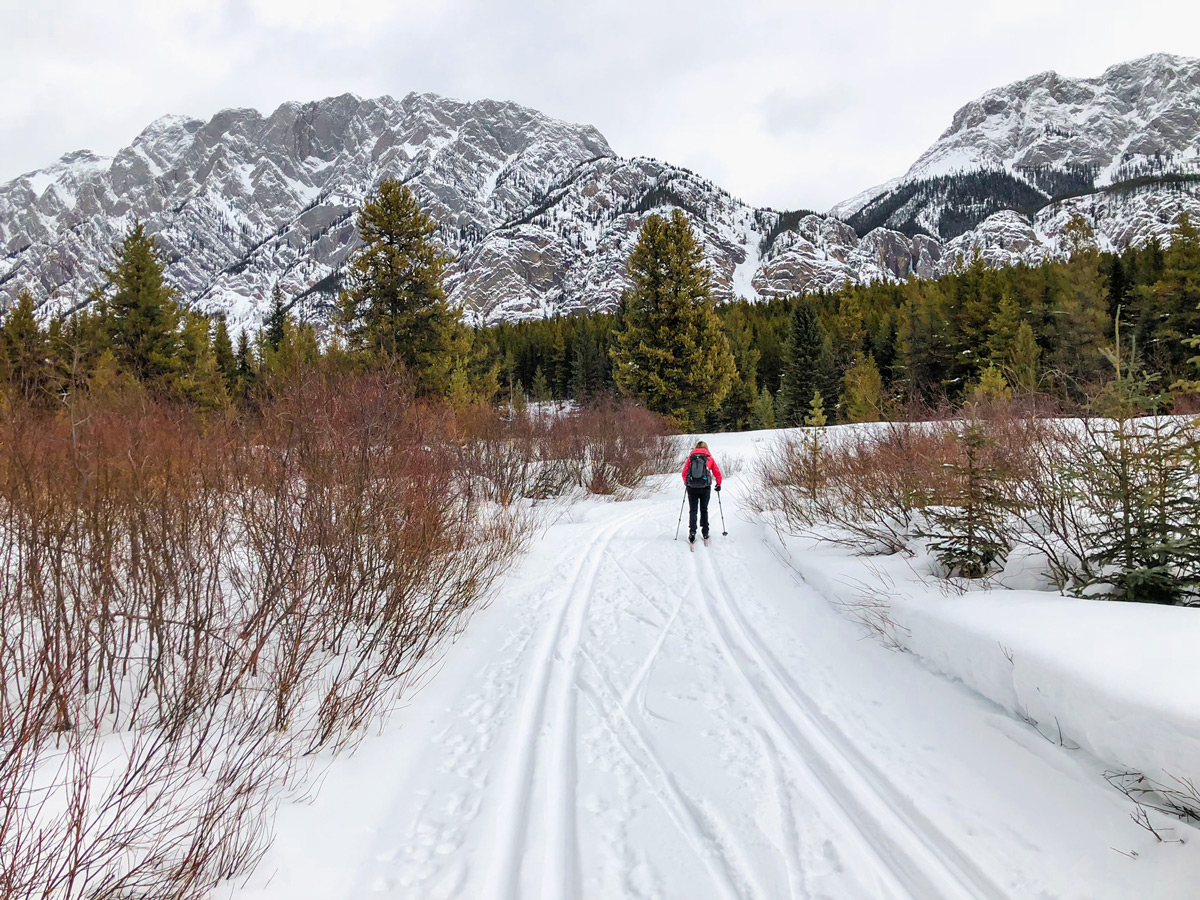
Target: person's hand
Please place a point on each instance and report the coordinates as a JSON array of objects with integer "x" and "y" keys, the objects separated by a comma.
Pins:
[{"x": 718, "y": 489}]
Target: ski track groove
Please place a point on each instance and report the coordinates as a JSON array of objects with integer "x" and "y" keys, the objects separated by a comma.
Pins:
[
  {"x": 560, "y": 644},
  {"x": 797, "y": 887},
  {"x": 683, "y": 812},
  {"x": 917, "y": 857}
]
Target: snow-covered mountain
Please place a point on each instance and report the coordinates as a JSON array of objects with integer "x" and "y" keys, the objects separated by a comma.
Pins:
[
  {"x": 541, "y": 214},
  {"x": 1125, "y": 144}
]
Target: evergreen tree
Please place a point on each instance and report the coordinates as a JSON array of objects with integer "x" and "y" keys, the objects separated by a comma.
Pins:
[
  {"x": 1137, "y": 482},
  {"x": 27, "y": 349},
  {"x": 670, "y": 352},
  {"x": 968, "y": 534},
  {"x": 991, "y": 387},
  {"x": 588, "y": 371},
  {"x": 1002, "y": 331},
  {"x": 806, "y": 364},
  {"x": 394, "y": 306},
  {"x": 247, "y": 370},
  {"x": 277, "y": 319},
  {"x": 1167, "y": 309},
  {"x": 816, "y": 412},
  {"x": 1080, "y": 323},
  {"x": 736, "y": 411},
  {"x": 197, "y": 378},
  {"x": 1021, "y": 363},
  {"x": 223, "y": 355},
  {"x": 862, "y": 395},
  {"x": 558, "y": 369},
  {"x": 539, "y": 391},
  {"x": 763, "y": 415},
  {"x": 143, "y": 317}
]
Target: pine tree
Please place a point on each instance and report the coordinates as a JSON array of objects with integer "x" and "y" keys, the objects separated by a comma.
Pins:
[
  {"x": 587, "y": 369},
  {"x": 670, "y": 352},
  {"x": 805, "y": 366},
  {"x": 197, "y": 378},
  {"x": 737, "y": 409},
  {"x": 862, "y": 395},
  {"x": 1002, "y": 330},
  {"x": 144, "y": 319},
  {"x": 558, "y": 370},
  {"x": 395, "y": 306}
]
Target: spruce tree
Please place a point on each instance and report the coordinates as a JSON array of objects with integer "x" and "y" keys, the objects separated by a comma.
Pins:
[
  {"x": 968, "y": 534},
  {"x": 587, "y": 369},
  {"x": 247, "y": 368},
  {"x": 197, "y": 377},
  {"x": 805, "y": 365},
  {"x": 1137, "y": 483},
  {"x": 736, "y": 410},
  {"x": 670, "y": 351},
  {"x": 277, "y": 319},
  {"x": 144, "y": 319},
  {"x": 222, "y": 348},
  {"x": 991, "y": 387},
  {"x": 394, "y": 306}
]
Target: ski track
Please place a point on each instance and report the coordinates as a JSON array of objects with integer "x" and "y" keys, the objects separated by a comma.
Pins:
[
  {"x": 914, "y": 856},
  {"x": 632, "y": 732},
  {"x": 557, "y": 659}
]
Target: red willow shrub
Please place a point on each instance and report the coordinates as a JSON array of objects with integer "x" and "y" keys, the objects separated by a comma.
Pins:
[
  {"x": 199, "y": 602},
  {"x": 604, "y": 447}
]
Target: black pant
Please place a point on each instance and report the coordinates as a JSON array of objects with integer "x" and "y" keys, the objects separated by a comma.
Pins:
[{"x": 698, "y": 497}]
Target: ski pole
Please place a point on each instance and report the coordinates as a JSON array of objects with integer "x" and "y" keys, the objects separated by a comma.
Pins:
[
  {"x": 724, "y": 533},
  {"x": 677, "y": 524}
]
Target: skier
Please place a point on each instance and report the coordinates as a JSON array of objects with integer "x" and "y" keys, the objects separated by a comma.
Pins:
[{"x": 698, "y": 474}]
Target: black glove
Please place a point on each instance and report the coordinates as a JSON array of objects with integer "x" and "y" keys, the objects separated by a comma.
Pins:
[{"x": 718, "y": 489}]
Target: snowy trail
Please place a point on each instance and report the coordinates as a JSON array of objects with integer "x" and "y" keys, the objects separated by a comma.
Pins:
[{"x": 630, "y": 720}]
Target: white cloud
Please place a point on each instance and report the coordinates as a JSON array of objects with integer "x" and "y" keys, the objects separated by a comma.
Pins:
[{"x": 789, "y": 104}]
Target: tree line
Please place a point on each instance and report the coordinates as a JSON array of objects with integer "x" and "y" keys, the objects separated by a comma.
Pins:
[
  {"x": 859, "y": 353},
  {"x": 871, "y": 352}
]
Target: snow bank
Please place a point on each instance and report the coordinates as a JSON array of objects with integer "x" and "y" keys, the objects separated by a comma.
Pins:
[{"x": 1120, "y": 680}]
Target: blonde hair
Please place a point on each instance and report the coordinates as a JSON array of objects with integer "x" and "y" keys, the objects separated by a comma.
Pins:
[{"x": 701, "y": 445}]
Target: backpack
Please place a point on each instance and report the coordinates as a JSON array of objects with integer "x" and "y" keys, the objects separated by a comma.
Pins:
[{"x": 697, "y": 473}]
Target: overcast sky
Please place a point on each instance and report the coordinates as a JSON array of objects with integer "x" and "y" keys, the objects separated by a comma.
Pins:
[{"x": 786, "y": 104}]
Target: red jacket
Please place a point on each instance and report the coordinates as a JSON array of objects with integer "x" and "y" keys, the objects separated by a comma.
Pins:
[{"x": 712, "y": 465}]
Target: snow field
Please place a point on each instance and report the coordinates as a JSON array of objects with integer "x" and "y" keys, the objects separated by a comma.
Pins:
[
  {"x": 1120, "y": 680},
  {"x": 627, "y": 719}
]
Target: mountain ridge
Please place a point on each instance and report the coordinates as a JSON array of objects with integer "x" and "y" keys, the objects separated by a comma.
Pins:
[{"x": 541, "y": 213}]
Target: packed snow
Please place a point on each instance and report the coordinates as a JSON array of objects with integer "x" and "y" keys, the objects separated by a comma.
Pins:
[{"x": 630, "y": 719}]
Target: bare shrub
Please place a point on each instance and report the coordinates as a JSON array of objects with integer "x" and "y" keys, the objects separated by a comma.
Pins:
[
  {"x": 189, "y": 605},
  {"x": 865, "y": 489}
]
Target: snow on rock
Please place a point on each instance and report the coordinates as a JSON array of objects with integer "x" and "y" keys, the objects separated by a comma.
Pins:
[{"x": 541, "y": 214}]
